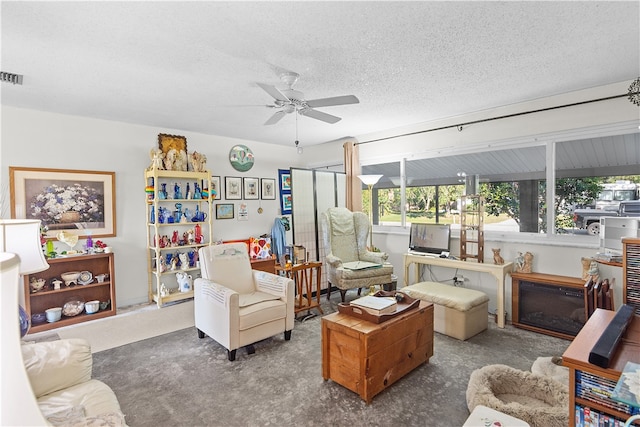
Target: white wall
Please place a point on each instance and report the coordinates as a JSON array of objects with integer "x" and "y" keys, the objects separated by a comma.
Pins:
[
  {"x": 587, "y": 120},
  {"x": 37, "y": 139}
]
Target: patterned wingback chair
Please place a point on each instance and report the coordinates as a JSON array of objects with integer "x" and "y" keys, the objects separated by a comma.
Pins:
[
  {"x": 238, "y": 306},
  {"x": 345, "y": 240}
]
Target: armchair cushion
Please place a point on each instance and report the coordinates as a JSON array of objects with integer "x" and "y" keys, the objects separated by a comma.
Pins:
[
  {"x": 227, "y": 264},
  {"x": 60, "y": 376},
  {"x": 264, "y": 312},
  {"x": 56, "y": 365},
  {"x": 343, "y": 235},
  {"x": 255, "y": 298}
]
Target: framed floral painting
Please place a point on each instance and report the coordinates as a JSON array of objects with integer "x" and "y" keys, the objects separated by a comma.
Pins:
[{"x": 80, "y": 201}]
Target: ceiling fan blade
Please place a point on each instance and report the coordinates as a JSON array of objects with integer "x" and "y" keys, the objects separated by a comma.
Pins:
[
  {"x": 273, "y": 91},
  {"x": 275, "y": 118},
  {"x": 336, "y": 100},
  {"x": 319, "y": 115}
]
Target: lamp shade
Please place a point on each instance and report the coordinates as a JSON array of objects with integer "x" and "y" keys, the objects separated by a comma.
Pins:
[
  {"x": 22, "y": 237},
  {"x": 369, "y": 179}
]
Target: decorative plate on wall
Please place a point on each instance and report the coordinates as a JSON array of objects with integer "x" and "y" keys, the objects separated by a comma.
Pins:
[{"x": 241, "y": 158}]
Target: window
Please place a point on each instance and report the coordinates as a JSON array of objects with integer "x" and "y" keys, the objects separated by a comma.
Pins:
[{"x": 592, "y": 173}]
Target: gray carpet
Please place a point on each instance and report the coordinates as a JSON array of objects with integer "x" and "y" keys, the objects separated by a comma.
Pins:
[{"x": 179, "y": 380}]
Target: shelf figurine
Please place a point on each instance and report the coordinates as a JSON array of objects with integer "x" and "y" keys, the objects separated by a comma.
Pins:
[
  {"x": 184, "y": 261},
  {"x": 157, "y": 159},
  {"x": 177, "y": 192},
  {"x": 162, "y": 194},
  {"x": 497, "y": 258}
]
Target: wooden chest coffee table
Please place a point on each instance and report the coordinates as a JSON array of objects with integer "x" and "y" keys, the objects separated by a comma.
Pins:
[{"x": 366, "y": 357}]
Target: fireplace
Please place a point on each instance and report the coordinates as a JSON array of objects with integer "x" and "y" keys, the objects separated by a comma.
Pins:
[{"x": 553, "y": 305}]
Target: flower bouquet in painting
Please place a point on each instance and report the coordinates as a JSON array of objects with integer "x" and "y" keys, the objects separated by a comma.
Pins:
[{"x": 67, "y": 204}]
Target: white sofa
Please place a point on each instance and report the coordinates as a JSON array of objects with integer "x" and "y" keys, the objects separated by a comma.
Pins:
[{"x": 60, "y": 376}]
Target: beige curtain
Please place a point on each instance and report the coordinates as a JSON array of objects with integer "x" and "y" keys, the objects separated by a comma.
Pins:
[{"x": 352, "y": 170}]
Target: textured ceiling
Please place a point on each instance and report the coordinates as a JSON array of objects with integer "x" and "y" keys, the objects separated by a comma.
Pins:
[{"x": 194, "y": 66}]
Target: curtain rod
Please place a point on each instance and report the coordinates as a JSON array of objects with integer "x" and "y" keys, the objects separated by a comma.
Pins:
[{"x": 461, "y": 125}]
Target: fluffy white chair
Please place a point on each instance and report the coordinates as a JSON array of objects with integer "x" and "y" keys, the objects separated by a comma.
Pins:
[
  {"x": 538, "y": 400},
  {"x": 238, "y": 306},
  {"x": 345, "y": 240}
]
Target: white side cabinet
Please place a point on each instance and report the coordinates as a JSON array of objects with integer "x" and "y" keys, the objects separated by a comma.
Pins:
[{"x": 179, "y": 222}]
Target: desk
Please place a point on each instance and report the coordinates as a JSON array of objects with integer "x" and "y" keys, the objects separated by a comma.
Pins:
[
  {"x": 302, "y": 275},
  {"x": 497, "y": 271}
]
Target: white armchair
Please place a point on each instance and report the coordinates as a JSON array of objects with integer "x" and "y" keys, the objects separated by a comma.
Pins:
[
  {"x": 238, "y": 306},
  {"x": 345, "y": 240}
]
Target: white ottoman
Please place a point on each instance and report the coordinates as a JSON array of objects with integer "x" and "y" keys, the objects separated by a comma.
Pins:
[{"x": 457, "y": 312}]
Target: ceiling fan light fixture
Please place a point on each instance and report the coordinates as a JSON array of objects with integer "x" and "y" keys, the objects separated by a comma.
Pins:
[
  {"x": 292, "y": 101},
  {"x": 289, "y": 78}
]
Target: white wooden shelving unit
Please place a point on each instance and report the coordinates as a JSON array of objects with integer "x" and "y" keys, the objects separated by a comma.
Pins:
[{"x": 156, "y": 230}]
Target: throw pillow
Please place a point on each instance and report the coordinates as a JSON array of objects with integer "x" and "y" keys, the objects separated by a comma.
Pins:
[{"x": 260, "y": 247}]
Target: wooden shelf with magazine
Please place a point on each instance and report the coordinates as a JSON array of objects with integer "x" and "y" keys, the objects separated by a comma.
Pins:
[
  {"x": 99, "y": 284},
  {"x": 591, "y": 386}
]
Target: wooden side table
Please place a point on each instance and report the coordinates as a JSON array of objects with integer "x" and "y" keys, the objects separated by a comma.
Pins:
[{"x": 302, "y": 275}]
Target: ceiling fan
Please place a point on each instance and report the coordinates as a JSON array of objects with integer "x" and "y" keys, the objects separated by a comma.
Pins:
[{"x": 290, "y": 100}]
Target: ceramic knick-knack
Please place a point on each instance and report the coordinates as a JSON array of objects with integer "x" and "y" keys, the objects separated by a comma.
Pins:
[
  {"x": 196, "y": 191},
  {"x": 197, "y": 234},
  {"x": 185, "y": 282},
  {"x": 177, "y": 214},
  {"x": 177, "y": 192}
]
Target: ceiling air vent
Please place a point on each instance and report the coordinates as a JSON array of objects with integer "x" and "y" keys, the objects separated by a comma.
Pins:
[{"x": 10, "y": 78}]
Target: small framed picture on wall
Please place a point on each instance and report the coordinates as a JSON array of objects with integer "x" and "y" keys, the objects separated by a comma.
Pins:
[
  {"x": 215, "y": 188},
  {"x": 250, "y": 188},
  {"x": 287, "y": 202},
  {"x": 285, "y": 179},
  {"x": 232, "y": 188},
  {"x": 284, "y": 183},
  {"x": 224, "y": 211},
  {"x": 268, "y": 189}
]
